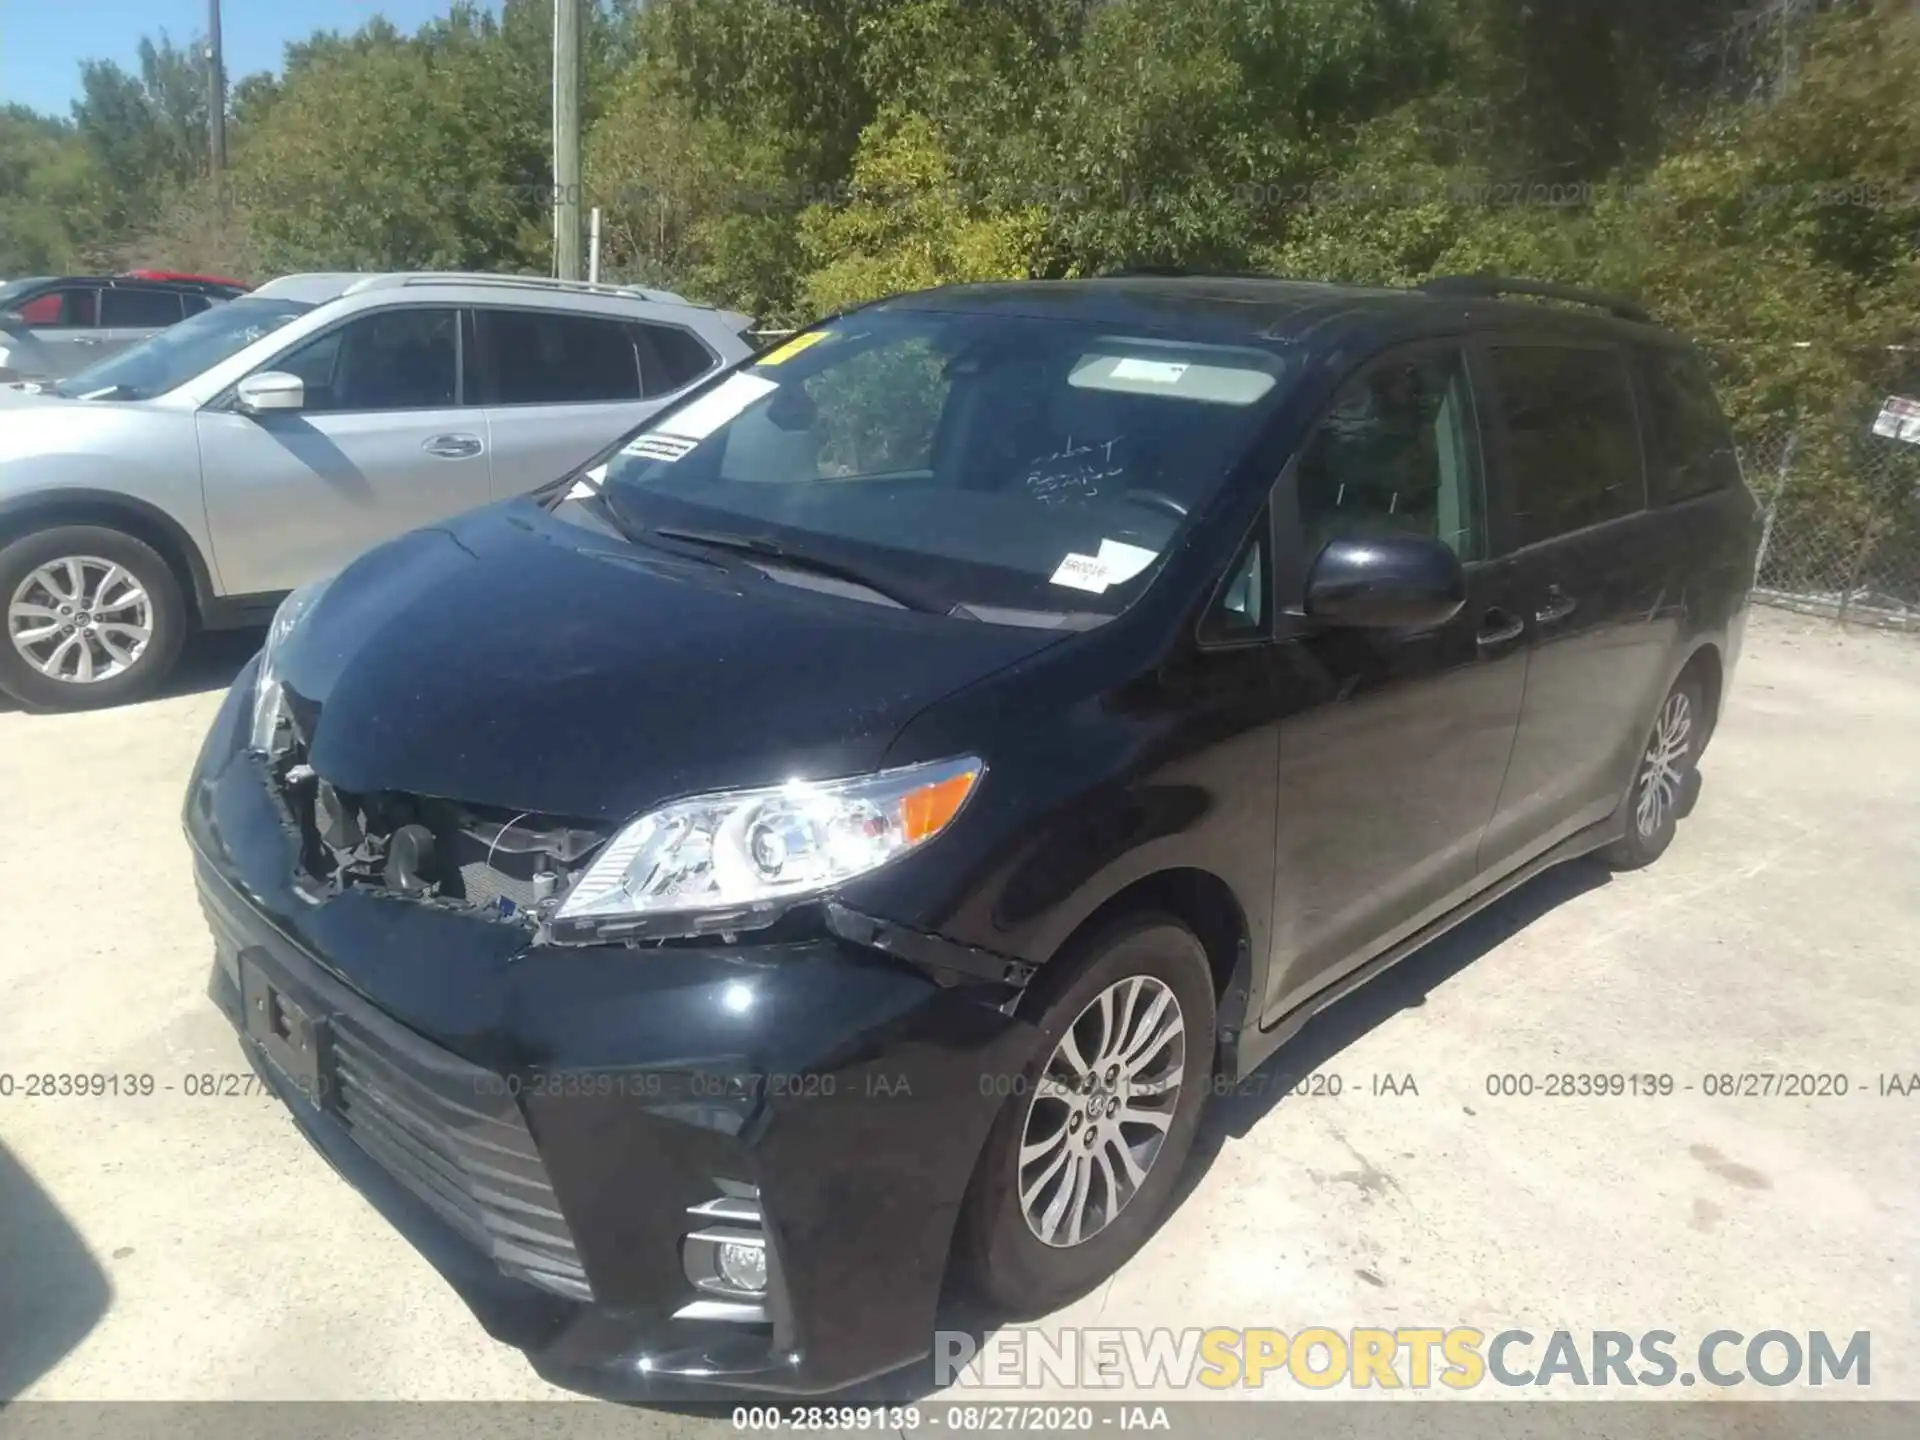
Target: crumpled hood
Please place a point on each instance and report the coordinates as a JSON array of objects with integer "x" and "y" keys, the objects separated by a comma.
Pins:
[{"x": 511, "y": 659}]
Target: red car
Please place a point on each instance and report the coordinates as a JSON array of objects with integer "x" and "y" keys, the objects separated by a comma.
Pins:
[{"x": 184, "y": 275}]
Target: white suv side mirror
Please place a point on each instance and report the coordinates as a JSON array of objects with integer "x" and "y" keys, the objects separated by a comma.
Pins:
[{"x": 270, "y": 390}]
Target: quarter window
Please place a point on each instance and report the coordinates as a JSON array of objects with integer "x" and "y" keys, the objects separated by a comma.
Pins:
[
  {"x": 1240, "y": 612},
  {"x": 1572, "y": 441},
  {"x": 1398, "y": 454},
  {"x": 389, "y": 360},
  {"x": 544, "y": 358},
  {"x": 1692, "y": 452},
  {"x": 670, "y": 358}
]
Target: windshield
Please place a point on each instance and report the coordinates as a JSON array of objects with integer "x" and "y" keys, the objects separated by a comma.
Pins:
[
  {"x": 180, "y": 352},
  {"x": 1010, "y": 465}
]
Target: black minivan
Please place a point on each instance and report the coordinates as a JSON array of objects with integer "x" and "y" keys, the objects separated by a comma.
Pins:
[{"x": 838, "y": 839}]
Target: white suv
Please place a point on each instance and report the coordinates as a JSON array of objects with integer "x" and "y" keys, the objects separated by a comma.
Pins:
[{"x": 196, "y": 478}]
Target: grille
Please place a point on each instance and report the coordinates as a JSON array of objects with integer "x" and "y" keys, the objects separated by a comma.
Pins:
[{"x": 452, "y": 1135}]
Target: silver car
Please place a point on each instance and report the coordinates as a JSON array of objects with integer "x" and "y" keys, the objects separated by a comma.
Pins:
[
  {"x": 194, "y": 479},
  {"x": 53, "y": 325}
]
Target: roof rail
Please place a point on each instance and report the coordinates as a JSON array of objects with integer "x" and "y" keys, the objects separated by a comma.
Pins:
[
  {"x": 532, "y": 282},
  {"x": 1183, "y": 272},
  {"x": 1493, "y": 286}
]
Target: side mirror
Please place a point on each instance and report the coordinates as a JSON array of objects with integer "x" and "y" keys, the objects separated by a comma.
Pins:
[
  {"x": 1391, "y": 582},
  {"x": 270, "y": 390}
]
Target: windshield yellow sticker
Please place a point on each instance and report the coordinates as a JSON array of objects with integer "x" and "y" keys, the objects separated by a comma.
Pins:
[{"x": 793, "y": 347}]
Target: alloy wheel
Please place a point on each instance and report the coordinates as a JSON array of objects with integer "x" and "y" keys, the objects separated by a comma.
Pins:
[
  {"x": 1100, "y": 1110},
  {"x": 80, "y": 619},
  {"x": 1660, "y": 767}
]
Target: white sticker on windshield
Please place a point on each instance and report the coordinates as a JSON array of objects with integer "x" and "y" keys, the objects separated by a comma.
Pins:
[
  {"x": 1123, "y": 562},
  {"x": 716, "y": 408},
  {"x": 1114, "y": 565},
  {"x": 1159, "y": 372},
  {"x": 1082, "y": 572},
  {"x": 660, "y": 447}
]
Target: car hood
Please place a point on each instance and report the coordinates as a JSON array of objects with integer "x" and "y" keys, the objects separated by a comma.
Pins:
[
  {"x": 512, "y": 659},
  {"x": 43, "y": 425}
]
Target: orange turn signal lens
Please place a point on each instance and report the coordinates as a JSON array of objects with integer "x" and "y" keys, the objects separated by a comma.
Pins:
[{"x": 926, "y": 811}]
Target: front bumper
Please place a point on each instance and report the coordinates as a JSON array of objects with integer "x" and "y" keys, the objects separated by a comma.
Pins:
[{"x": 545, "y": 1125}]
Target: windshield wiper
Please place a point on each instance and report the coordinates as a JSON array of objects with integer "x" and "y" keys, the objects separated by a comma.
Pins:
[
  {"x": 767, "y": 548},
  {"x": 105, "y": 392}
]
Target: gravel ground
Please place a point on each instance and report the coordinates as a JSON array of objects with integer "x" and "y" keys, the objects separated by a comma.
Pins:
[{"x": 171, "y": 1247}]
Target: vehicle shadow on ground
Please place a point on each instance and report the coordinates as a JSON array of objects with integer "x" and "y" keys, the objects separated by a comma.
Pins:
[
  {"x": 1232, "y": 1115},
  {"x": 209, "y": 662},
  {"x": 52, "y": 1291}
]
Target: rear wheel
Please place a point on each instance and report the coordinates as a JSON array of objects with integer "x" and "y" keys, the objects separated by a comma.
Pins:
[
  {"x": 93, "y": 617},
  {"x": 1663, "y": 778},
  {"x": 1083, "y": 1159}
]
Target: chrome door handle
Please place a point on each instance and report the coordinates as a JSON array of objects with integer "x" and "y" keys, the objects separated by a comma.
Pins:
[
  {"x": 1497, "y": 627},
  {"x": 87, "y": 340},
  {"x": 453, "y": 447},
  {"x": 1559, "y": 605}
]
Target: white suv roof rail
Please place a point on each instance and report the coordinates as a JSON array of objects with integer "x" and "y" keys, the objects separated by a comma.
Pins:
[{"x": 529, "y": 282}]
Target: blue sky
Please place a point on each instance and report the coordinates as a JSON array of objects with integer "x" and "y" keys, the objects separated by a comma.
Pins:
[{"x": 42, "y": 42}]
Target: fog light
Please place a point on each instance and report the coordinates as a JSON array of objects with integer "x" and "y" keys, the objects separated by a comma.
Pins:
[{"x": 744, "y": 1266}]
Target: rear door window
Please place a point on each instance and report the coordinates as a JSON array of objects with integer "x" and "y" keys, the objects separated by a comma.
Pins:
[
  {"x": 1690, "y": 447},
  {"x": 1573, "y": 443},
  {"x": 536, "y": 357},
  {"x": 138, "y": 309}
]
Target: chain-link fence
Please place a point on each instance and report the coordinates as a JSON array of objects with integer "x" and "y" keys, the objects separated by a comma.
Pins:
[{"x": 1842, "y": 519}]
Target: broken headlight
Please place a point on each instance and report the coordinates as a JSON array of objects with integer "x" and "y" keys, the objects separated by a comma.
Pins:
[
  {"x": 734, "y": 860},
  {"x": 269, "y": 700}
]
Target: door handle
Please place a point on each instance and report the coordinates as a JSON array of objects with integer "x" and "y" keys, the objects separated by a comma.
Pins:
[
  {"x": 453, "y": 447},
  {"x": 1559, "y": 605},
  {"x": 86, "y": 340},
  {"x": 1497, "y": 627}
]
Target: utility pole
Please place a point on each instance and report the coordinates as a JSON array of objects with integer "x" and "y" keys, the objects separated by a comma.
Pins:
[
  {"x": 566, "y": 139},
  {"x": 216, "y": 94}
]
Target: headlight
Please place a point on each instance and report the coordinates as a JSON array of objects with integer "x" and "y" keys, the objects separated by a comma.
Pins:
[
  {"x": 269, "y": 702},
  {"x": 733, "y": 860}
]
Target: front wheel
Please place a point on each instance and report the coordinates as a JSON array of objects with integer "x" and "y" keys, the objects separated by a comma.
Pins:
[
  {"x": 1662, "y": 779},
  {"x": 1083, "y": 1159},
  {"x": 93, "y": 617}
]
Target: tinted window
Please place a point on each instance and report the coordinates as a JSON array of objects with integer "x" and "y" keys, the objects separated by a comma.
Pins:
[
  {"x": 546, "y": 359},
  {"x": 45, "y": 310},
  {"x": 1692, "y": 450},
  {"x": 1572, "y": 440},
  {"x": 194, "y": 304},
  {"x": 389, "y": 360},
  {"x": 133, "y": 308},
  {"x": 61, "y": 310},
  {"x": 673, "y": 357},
  {"x": 1398, "y": 454}
]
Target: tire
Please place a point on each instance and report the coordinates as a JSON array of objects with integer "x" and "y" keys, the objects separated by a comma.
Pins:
[
  {"x": 1003, "y": 1256},
  {"x": 1663, "y": 778},
  {"x": 128, "y": 653}
]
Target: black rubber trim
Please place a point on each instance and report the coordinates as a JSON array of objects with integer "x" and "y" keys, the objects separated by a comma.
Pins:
[{"x": 947, "y": 961}]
